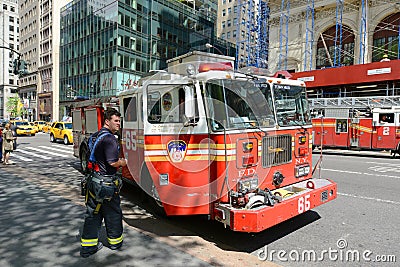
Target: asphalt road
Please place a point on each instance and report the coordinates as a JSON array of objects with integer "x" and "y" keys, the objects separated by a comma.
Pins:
[{"x": 357, "y": 229}]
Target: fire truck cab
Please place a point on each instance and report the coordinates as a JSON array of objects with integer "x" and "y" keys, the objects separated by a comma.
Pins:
[{"x": 201, "y": 138}]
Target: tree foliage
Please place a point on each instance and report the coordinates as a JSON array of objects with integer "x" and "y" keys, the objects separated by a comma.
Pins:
[{"x": 14, "y": 106}]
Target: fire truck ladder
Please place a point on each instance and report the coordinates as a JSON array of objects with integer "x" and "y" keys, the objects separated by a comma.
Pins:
[{"x": 355, "y": 102}]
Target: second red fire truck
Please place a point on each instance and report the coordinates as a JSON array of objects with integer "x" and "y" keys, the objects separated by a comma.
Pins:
[
  {"x": 201, "y": 138},
  {"x": 375, "y": 129}
]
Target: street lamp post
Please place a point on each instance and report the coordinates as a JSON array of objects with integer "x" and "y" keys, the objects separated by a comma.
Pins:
[{"x": 208, "y": 45}]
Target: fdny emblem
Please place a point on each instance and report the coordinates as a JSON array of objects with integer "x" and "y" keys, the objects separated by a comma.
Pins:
[{"x": 176, "y": 150}]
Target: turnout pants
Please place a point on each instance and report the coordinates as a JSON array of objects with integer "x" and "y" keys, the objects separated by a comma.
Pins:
[{"x": 111, "y": 212}]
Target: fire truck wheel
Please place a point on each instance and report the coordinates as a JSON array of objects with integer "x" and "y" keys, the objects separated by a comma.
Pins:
[
  {"x": 83, "y": 158},
  {"x": 52, "y": 139}
]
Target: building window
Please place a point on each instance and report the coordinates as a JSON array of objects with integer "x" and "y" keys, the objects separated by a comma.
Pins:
[
  {"x": 5, "y": 7},
  {"x": 223, "y": 12},
  {"x": 11, "y": 81}
]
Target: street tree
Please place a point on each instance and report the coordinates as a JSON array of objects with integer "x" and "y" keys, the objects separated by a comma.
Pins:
[{"x": 14, "y": 106}]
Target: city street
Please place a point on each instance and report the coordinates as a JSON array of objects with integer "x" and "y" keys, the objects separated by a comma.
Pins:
[{"x": 42, "y": 211}]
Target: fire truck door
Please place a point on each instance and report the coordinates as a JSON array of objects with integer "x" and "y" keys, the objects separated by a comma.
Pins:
[
  {"x": 355, "y": 132},
  {"x": 132, "y": 137},
  {"x": 384, "y": 131}
]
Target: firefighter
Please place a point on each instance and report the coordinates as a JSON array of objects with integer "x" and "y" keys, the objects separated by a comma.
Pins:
[{"x": 102, "y": 189}]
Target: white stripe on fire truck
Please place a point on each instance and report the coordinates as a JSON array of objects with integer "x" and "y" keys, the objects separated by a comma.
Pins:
[
  {"x": 192, "y": 158},
  {"x": 155, "y": 153},
  {"x": 216, "y": 152}
]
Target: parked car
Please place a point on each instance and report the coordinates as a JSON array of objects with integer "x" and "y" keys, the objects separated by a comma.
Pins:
[
  {"x": 23, "y": 127},
  {"x": 39, "y": 125},
  {"x": 61, "y": 131}
]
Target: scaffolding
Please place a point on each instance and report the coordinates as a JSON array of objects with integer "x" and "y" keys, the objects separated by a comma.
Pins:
[
  {"x": 338, "y": 34},
  {"x": 263, "y": 35},
  {"x": 308, "y": 55},
  {"x": 363, "y": 32},
  {"x": 252, "y": 38},
  {"x": 284, "y": 34}
]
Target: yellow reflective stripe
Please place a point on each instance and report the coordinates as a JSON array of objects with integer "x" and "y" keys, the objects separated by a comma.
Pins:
[
  {"x": 114, "y": 241},
  {"x": 97, "y": 208},
  {"x": 89, "y": 242},
  {"x": 91, "y": 194}
]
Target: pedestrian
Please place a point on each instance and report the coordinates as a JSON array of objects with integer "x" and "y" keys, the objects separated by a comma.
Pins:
[
  {"x": 13, "y": 128},
  {"x": 8, "y": 144},
  {"x": 100, "y": 202},
  {"x": 1, "y": 143}
]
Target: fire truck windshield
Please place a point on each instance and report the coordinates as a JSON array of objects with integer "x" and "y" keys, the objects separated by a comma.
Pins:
[
  {"x": 291, "y": 105},
  {"x": 235, "y": 104}
]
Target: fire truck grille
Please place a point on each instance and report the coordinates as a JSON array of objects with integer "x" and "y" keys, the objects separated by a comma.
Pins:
[{"x": 276, "y": 150}]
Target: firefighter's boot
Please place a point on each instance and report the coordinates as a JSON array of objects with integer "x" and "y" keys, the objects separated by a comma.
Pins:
[{"x": 90, "y": 250}]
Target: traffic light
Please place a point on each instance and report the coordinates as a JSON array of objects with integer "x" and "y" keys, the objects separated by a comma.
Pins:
[
  {"x": 16, "y": 66},
  {"x": 20, "y": 67},
  {"x": 23, "y": 68}
]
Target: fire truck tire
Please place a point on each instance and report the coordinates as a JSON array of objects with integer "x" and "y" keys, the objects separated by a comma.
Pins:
[
  {"x": 84, "y": 159},
  {"x": 52, "y": 139}
]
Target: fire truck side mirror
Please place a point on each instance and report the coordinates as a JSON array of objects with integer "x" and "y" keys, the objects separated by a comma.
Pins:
[{"x": 189, "y": 102}]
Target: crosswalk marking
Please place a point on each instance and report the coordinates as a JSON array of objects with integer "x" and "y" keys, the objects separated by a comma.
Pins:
[
  {"x": 15, "y": 155},
  {"x": 57, "y": 149},
  {"x": 47, "y": 152},
  {"x": 31, "y": 153},
  {"x": 63, "y": 146}
]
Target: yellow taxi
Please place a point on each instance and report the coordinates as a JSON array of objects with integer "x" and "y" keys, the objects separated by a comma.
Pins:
[
  {"x": 61, "y": 131},
  {"x": 46, "y": 128},
  {"x": 34, "y": 127},
  {"x": 23, "y": 127},
  {"x": 39, "y": 125}
]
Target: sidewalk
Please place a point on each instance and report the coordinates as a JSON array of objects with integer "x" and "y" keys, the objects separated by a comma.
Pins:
[
  {"x": 40, "y": 228},
  {"x": 42, "y": 217}
]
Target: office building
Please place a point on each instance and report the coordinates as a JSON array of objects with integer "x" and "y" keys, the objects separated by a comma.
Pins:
[
  {"x": 107, "y": 46},
  {"x": 9, "y": 37}
]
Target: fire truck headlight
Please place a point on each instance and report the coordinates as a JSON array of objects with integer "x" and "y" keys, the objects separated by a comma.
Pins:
[
  {"x": 248, "y": 184},
  {"x": 302, "y": 170}
]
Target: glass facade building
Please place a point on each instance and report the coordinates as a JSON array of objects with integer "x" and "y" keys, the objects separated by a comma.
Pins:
[{"x": 107, "y": 46}]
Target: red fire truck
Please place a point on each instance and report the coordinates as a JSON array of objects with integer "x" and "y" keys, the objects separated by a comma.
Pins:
[
  {"x": 201, "y": 138},
  {"x": 377, "y": 129}
]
